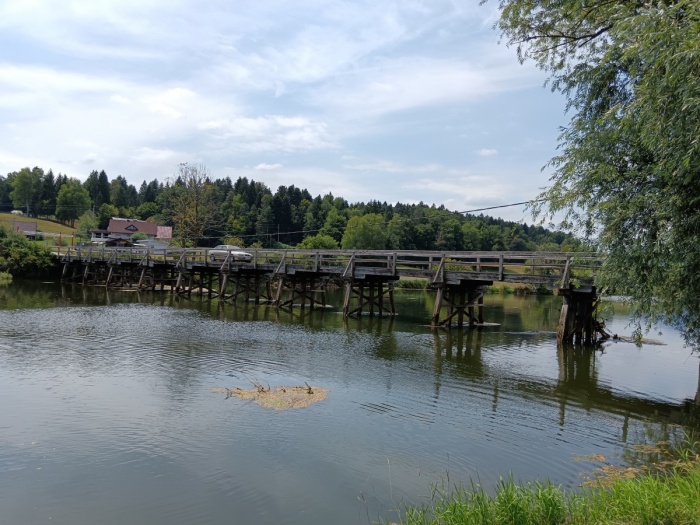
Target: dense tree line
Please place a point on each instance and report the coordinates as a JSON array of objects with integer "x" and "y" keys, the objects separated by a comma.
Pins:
[{"x": 205, "y": 211}]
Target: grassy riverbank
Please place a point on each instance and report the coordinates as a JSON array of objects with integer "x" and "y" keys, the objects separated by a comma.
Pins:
[
  {"x": 414, "y": 283},
  {"x": 42, "y": 225},
  {"x": 654, "y": 498}
]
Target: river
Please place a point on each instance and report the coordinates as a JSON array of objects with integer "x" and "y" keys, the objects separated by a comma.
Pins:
[{"x": 108, "y": 413}]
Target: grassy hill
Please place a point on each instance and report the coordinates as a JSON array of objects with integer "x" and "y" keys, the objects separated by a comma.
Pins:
[{"x": 43, "y": 225}]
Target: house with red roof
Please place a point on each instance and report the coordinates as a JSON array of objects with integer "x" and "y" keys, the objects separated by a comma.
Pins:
[{"x": 120, "y": 231}]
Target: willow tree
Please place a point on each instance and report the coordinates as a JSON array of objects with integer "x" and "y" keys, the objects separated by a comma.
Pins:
[
  {"x": 194, "y": 204},
  {"x": 628, "y": 172}
]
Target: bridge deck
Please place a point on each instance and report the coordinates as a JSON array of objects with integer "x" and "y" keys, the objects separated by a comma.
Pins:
[{"x": 551, "y": 269}]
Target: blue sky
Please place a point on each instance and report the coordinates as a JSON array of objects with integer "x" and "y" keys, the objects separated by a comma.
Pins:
[{"x": 397, "y": 101}]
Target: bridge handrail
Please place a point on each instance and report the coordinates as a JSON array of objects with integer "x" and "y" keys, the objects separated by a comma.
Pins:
[{"x": 431, "y": 264}]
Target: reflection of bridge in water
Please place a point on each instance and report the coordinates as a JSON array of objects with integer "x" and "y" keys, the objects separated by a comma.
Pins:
[
  {"x": 459, "y": 352},
  {"x": 463, "y": 353},
  {"x": 577, "y": 382},
  {"x": 289, "y": 278}
]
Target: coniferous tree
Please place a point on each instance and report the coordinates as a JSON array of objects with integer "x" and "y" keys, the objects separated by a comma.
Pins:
[{"x": 48, "y": 194}]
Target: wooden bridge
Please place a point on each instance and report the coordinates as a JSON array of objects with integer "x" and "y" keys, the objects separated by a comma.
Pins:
[{"x": 287, "y": 278}]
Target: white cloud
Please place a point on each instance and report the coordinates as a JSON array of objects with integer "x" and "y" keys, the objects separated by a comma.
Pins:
[
  {"x": 486, "y": 152},
  {"x": 267, "y": 167},
  {"x": 323, "y": 87},
  {"x": 394, "y": 167},
  {"x": 273, "y": 133}
]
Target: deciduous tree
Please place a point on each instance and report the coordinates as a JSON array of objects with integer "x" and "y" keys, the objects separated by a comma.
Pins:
[
  {"x": 318, "y": 242},
  {"x": 73, "y": 200},
  {"x": 26, "y": 189},
  {"x": 194, "y": 205},
  {"x": 628, "y": 174},
  {"x": 367, "y": 232}
]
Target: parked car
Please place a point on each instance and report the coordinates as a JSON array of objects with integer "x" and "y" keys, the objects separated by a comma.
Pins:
[{"x": 222, "y": 251}]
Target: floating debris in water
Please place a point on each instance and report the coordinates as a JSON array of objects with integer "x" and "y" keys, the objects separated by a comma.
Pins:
[
  {"x": 591, "y": 457},
  {"x": 279, "y": 398}
]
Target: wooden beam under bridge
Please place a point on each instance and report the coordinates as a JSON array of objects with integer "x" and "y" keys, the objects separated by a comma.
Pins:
[
  {"x": 459, "y": 278},
  {"x": 370, "y": 292},
  {"x": 459, "y": 299}
]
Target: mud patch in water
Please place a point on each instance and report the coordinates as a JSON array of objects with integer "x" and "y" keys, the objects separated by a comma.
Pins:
[{"x": 279, "y": 398}]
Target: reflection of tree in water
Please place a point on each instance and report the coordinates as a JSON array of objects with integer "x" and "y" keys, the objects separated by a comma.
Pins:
[
  {"x": 14, "y": 296},
  {"x": 530, "y": 313}
]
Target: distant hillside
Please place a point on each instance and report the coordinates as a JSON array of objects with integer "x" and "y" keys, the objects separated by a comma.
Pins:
[
  {"x": 205, "y": 212},
  {"x": 42, "y": 225}
]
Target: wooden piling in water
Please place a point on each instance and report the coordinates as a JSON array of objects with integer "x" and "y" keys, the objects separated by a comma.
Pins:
[
  {"x": 459, "y": 299},
  {"x": 577, "y": 317},
  {"x": 369, "y": 293}
]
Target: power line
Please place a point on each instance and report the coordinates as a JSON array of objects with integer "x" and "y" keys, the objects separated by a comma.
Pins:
[
  {"x": 405, "y": 218},
  {"x": 497, "y": 207}
]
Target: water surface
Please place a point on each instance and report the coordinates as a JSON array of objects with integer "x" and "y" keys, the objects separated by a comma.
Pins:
[{"x": 108, "y": 415}]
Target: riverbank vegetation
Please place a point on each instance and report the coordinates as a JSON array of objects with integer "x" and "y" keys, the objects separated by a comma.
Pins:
[
  {"x": 669, "y": 495},
  {"x": 20, "y": 256}
]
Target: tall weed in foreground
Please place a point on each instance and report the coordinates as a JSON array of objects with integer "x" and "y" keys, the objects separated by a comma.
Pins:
[{"x": 672, "y": 497}]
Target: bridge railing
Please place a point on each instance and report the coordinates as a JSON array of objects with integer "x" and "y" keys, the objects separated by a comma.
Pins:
[{"x": 548, "y": 267}]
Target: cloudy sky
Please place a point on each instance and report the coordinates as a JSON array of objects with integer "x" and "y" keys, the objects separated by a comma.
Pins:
[{"x": 404, "y": 100}]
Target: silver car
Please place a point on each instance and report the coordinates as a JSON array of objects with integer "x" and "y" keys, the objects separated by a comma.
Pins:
[{"x": 220, "y": 252}]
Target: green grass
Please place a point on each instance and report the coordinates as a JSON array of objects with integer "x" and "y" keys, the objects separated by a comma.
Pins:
[
  {"x": 411, "y": 283},
  {"x": 416, "y": 283},
  {"x": 499, "y": 287},
  {"x": 657, "y": 498},
  {"x": 43, "y": 225}
]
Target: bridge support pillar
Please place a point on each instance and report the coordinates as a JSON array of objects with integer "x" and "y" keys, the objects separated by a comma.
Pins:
[
  {"x": 306, "y": 288},
  {"x": 577, "y": 318},
  {"x": 199, "y": 280},
  {"x": 459, "y": 300},
  {"x": 372, "y": 292},
  {"x": 256, "y": 287}
]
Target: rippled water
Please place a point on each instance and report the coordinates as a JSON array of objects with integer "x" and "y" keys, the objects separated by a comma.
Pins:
[{"x": 108, "y": 414}]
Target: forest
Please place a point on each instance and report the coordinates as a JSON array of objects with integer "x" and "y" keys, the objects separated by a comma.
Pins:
[{"x": 205, "y": 211}]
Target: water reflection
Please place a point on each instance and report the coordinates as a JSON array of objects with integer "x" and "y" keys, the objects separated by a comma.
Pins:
[
  {"x": 519, "y": 322},
  {"x": 463, "y": 348},
  {"x": 579, "y": 384},
  {"x": 118, "y": 386}
]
